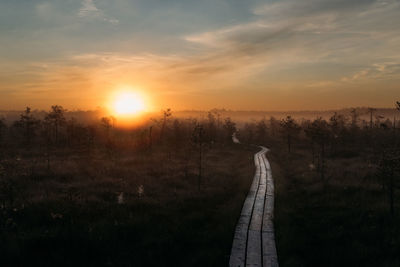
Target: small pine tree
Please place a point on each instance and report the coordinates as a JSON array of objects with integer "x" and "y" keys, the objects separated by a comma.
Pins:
[
  {"x": 198, "y": 140},
  {"x": 2, "y": 127},
  {"x": 230, "y": 128},
  {"x": 290, "y": 129},
  {"x": 55, "y": 119},
  {"x": 28, "y": 125}
]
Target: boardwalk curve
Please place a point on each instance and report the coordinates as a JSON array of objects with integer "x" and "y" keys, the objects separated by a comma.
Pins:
[{"x": 254, "y": 239}]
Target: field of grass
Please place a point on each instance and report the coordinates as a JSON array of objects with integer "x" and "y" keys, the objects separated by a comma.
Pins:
[
  {"x": 344, "y": 221},
  {"x": 94, "y": 195},
  {"x": 128, "y": 209}
]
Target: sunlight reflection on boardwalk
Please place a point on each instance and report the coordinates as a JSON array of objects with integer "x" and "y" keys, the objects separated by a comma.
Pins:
[{"x": 254, "y": 240}]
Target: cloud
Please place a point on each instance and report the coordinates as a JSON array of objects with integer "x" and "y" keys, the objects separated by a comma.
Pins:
[
  {"x": 304, "y": 49},
  {"x": 90, "y": 10},
  {"x": 377, "y": 71},
  {"x": 331, "y": 37},
  {"x": 301, "y": 8},
  {"x": 287, "y": 46}
]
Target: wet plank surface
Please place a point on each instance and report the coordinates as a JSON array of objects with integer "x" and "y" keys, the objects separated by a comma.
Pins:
[{"x": 254, "y": 240}]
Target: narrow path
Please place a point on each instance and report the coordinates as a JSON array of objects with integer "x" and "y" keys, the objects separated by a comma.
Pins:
[{"x": 254, "y": 240}]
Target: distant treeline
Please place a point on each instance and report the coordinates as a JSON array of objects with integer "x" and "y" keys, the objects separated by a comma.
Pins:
[
  {"x": 240, "y": 116},
  {"x": 9, "y": 116},
  {"x": 59, "y": 128},
  {"x": 362, "y": 130}
]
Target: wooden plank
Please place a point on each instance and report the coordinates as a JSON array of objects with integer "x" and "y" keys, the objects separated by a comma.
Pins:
[
  {"x": 254, "y": 246},
  {"x": 254, "y": 240},
  {"x": 253, "y": 256},
  {"x": 270, "y": 258},
  {"x": 239, "y": 244},
  {"x": 238, "y": 253},
  {"x": 268, "y": 225},
  {"x": 269, "y": 205},
  {"x": 257, "y": 216}
]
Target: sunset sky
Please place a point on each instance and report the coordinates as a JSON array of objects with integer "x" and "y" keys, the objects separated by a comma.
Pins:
[{"x": 186, "y": 54}]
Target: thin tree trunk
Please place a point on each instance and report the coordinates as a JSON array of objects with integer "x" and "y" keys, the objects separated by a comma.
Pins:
[
  {"x": 150, "y": 138},
  {"x": 313, "y": 152},
  {"x": 200, "y": 169},
  {"x": 323, "y": 162},
  {"x": 391, "y": 193}
]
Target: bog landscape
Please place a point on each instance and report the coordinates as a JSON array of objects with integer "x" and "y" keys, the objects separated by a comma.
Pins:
[{"x": 200, "y": 133}]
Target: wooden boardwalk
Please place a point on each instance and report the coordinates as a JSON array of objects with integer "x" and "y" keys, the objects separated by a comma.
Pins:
[{"x": 254, "y": 240}]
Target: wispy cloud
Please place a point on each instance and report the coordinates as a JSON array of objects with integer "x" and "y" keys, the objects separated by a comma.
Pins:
[
  {"x": 273, "y": 48},
  {"x": 89, "y": 9},
  {"x": 378, "y": 71},
  {"x": 335, "y": 35}
]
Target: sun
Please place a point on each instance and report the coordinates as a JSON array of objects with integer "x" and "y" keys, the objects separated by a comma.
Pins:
[{"x": 128, "y": 104}]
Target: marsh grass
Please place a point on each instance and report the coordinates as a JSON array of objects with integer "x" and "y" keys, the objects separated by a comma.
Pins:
[
  {"x": 136, "y": 209},
  {"x": 343, "y": 221}
]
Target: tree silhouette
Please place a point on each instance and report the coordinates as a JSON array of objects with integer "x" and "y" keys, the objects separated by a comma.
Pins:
[
  {"x": 354, "y": 118},
  {"x": 71, "y": 131},
  {"x": 229, "y": 127},
  {"x": 290, "y": 129},
  {"x": 166, "y": 114},
  {"x": 198, "y": 140},
  {"x": 211, "y": 127},
  {"x": 319, "y": 132},
  {"x": 2, "y": 127},
  {"x": 261, "y": 130},
  {"x": 397, "y": 105},
  {"x": 106, "y": 123},
  {"x": 28, "y": 125},
  {"x": 274, "y": 125},
  {"x": 55, "y": 119},
  {"x": 178, "y": 133},
  {"x": 309, "y": 131},
  {"x": 248, "y": 133},
  {"x": 371, "y": 112},
  {"x": 388, "y": 171},
  {"x": 337, "y": 126}
]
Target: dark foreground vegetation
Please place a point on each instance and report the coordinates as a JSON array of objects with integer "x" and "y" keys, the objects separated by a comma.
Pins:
[
  {"x": 166, "y": 193},
  {"x": 169, "y": 192},
  {"x": 337, "y": 182}
]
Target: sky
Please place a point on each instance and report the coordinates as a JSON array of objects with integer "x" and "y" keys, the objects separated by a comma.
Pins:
[{"x": 191, "y": 54}]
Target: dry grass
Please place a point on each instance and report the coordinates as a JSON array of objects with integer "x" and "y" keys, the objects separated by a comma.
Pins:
[
  {"x": 73, "y": 215},
  {"x": 344, "y": 221}
]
